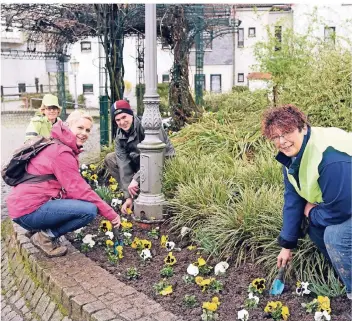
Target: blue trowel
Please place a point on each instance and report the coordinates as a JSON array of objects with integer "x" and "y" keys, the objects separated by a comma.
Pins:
[{"x": 278, "y": 285}]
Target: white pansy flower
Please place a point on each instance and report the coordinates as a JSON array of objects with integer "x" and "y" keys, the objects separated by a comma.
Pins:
[
  {"x": 185, "y": 230},
  {"x": 88, "y": 239},
  {"x": 322, "y": 316},
  {"x": 221, "y": 268},
  {"x": 115, "y": 202},
  {"x": 126, "y": 234},
  {"x": 109, "y": 234},
  {"x": 305, "y": 287},
  {"x": 253, "y": 297},
  {"x": 193, "y": 270},
  {"x": 96, "y": 183},
  {"x": 170, "y": 246},
  {"x": 243, "y": 315},
  {"x": 78, "y": 231},
  {"x": 84, "y": 166},
  {"x": 145, "y": 254}
]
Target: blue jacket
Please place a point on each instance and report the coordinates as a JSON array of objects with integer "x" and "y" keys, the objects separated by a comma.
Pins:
[{"x": 335, "y": 182}]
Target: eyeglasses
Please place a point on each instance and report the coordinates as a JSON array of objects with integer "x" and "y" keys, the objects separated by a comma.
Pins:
[
  {"x": 276, "y": 139},
  {"x": 52, "y": 108}
]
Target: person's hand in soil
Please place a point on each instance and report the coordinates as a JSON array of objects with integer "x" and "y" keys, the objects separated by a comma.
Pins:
[
  {"x": 284, "y": 258},
  {"x": 128, "y": 204},
  {"x": 116, "y": 221},
  {"x": 133, "y": 188}
]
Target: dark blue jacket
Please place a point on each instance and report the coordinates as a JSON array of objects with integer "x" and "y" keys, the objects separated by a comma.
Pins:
[{"x": 335, "y": 182}]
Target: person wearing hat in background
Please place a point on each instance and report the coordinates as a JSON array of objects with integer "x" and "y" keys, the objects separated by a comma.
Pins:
[
  {"x": 124, "y": 163},
  {"x": 42, "y": 123}
]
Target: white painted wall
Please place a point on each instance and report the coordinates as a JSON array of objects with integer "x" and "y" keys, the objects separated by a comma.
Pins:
[
  {"x": 332, "y": 15},
  {"x": 89, "y": 68},
  {"x": 245, "y": 61},
  {"x": 208, "y": 70},
  {"x": 16, "y": 71}
]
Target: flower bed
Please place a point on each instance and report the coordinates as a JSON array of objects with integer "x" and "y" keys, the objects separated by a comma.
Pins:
[{"x": 172, "y": 270}]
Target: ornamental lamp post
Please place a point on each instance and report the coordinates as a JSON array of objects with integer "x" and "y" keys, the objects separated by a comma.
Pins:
[
  {"x": 74, "y": 67},
  {"x": 148, "y": 207}
]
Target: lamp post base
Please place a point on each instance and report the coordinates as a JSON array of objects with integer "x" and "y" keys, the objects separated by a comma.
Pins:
[{"x": 149, "y": 208}]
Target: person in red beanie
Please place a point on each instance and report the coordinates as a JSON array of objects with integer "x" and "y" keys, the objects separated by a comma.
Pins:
[{"x": 124, "y": 163}]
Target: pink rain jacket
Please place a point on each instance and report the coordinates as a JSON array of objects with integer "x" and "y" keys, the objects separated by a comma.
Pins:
[{"x": 62, "y": 161}]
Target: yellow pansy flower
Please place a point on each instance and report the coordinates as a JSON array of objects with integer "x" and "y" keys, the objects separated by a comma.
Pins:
[
  {"x": 285, "y": 312},
  {"x": 105, "y": 225},
  {"x": 94, "y": 177},
  {"x": 119, "y": 250},
  {"x": 210, "y": 306},
  {"x": 259, "y": 284},
  {"x": 109, "y": 243},
  {"x": 191, "y": 247},
  {"x": 166, "y": 291},
  {"x": 126, "y": 225},
  {"x": 163, "y": 240},
  {"x": 113, "y": 187},
  {"x": 215, "y": 299},
  {"x": 201, "y": 261},
  {"x": 84, "y": 173},
  {"x": 199, "y": 280},
  {"x": 135, "y": 243},
  {"x": 324, "y": 302},
  {"x": 272, "y": 306},
  {"x": 170, "y": 259},
  {"x": 129, "y": 211},
  {"x": 112, "y": 180},
  {"x": 146, "y": 244},
  {"x": 92, "y": 167}
]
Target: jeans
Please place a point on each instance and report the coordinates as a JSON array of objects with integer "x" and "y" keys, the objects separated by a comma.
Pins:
[
  {"x": 59, "y": 216},
  {"x": 335, "y": 243}
]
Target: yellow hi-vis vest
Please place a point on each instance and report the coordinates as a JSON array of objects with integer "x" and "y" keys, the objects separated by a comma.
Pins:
[{"x": 320, "y": 139}]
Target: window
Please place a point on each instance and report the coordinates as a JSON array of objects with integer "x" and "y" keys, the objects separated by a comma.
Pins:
[
  {"x": 166, "y": 78},
  {"x": 22, "y": 88},
  {"x": 240, "y": 43},
  {"x": 240, "y": 77},
  {"x": 86, "y": 46},
  {"x": 329, "y": 35},
  {"x": 251, "y": 32},
  {"x": 215, "y": 83},
  {"x": 199, "y": 80},
  {"x": 88, "y": 89},
  {"x": 278, "y": 36}
]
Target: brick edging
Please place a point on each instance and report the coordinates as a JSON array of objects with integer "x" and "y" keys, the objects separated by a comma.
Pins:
[{"x": 81, "y": 289}]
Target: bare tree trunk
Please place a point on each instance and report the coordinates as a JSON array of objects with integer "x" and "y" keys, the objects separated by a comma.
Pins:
[{"x": 182, "y": 104}]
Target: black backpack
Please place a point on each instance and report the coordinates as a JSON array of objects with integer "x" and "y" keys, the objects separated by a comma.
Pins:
[{"x": 14, "y": 172}]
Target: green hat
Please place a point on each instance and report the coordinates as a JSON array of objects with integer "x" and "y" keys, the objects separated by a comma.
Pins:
[{"x": 50, "y": 100}]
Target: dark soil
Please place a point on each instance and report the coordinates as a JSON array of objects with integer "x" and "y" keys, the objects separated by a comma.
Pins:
[{"x": 235, "y": 281}]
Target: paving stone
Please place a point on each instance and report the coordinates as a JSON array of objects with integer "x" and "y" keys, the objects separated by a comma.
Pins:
[
  {"x": 15, "y": 297},
  {"x": 122, "y": 289},
  {"x": 16, "y": 318},
  {"x": 99, "y": 290},
  {"x": 10, "y": 315},
  {"x": 90, "y": 308},
  {"x": 25, "y": 309},
  {"x": 49, "y": 311},
  {"x": 67, "y": 294},
  {"x": 57, "y": 316},
  {"x": 77, "y": 303},
  {"x": 103, "y": 315},
  {"x": 5, "y": 311},
  {"x": 119, "y": 305},
  {"x": 42, "y": 304},
  {"x": 66, "y": 319},
  {"x": 133, "y": 313},
  {"x": 165, "y": 315},
  {"x": 36, "y": 297},
  {"x": 20, "y": 303}
]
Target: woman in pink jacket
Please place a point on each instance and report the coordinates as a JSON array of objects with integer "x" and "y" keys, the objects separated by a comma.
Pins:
[{"x": 65, "y": 204}]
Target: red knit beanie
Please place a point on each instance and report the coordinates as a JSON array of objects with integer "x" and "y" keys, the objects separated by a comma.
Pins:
[{"x": 122, "y": 106}]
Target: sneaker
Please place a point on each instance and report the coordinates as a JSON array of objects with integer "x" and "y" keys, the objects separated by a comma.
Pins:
[{"x": 46, "y": 244}]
